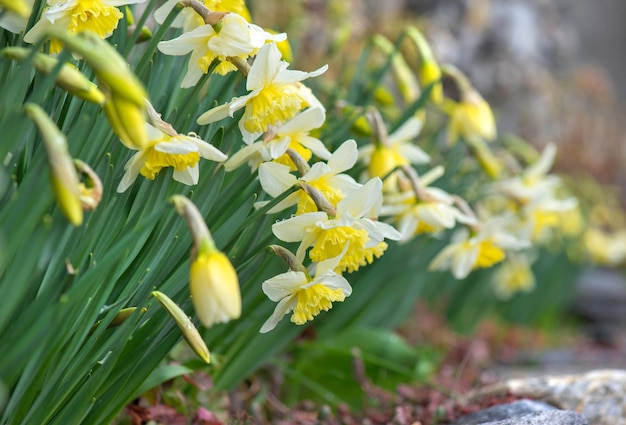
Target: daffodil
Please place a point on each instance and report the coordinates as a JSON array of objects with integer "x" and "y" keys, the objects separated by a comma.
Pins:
[
  {"x": 98, "y": 16},
  {"x": 514, "y": 275},
  {"x": 189, "y": 20},
  {"x": 213, "y": 281},
  {"x": 63, "y": 175},
  {"x": 273, "y": 97},
  {"x": 294, "y": 134},
  {"x": 306, "y": 296},
  {"x": 535, "y": 195},
  {"x": 327, "y": 178},
  {"x": 235, "y": 38},
  {"x": 398, "y": 149},
  {"x": 434, "y": 211},
  {"x": 181, "y": 152},
  {"x": 481, "y": 248},
  {"x": 14, "y": 14},
  {"x": 471, "y": 117},
  {"x": 353, "y": 226}
]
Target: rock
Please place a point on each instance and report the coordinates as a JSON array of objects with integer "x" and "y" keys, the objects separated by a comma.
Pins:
[
  {"x": 504, "y": 411},
  {"x": 552, "y": 417},
  {"x": 600, "y": 395}
]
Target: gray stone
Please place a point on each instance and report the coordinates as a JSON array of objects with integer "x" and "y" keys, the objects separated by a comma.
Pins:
[
  {"x": 552, "y": 417},
  {"x": 503, "y": 411},
  {"x": 599, "y": 395}
]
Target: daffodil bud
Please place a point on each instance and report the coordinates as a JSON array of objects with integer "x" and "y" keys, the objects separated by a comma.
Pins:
[
  {"x": 127, "y": 120},
  {"x": 144, "y": 34},
  {"x": 213, "y": 281},
  {"x": 189, "y": 331},
  {"x": 429, "y": 71},
  {"x": 63, "y": 176},
  {"x": 110, "y": 67},
  {"x": 91, "y": 189},
  {"x": 404, "y": 77},
  {"x": 68, "y": 78},
  {"x": 19, "y": 7},
  {"x": 472, "y": 116}
]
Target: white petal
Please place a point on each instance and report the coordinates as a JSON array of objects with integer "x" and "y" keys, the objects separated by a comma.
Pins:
[
  {"x": 407, "y": 131},
  {"x": 275, "y": 178},
  {"x": 194, "y": 73},
  {"x": 289, "y": 76},
  {"x": 188, "y": 176},
  {"x": 234, "y": 39},
  {"x": 132, "y": 167},
  {"x": 247, "y": 136},
  {"x": 362, "y": 200},
  {"x": 283, "y": 285},
  {"x": 414, "y": 154},
  {"x": 289, "y": 201},
  {"x": 316, "y": 146},
  {"x": 207, "y": 150},
  {"x": 344, "y": 157},
  {"x": 282, "y": 308},
  {"x": 278, "y": 147},
  {"x": 295, "y": 228},
  {"x": 265, "y": 67},
  {"x": 444, "y": 258},
  {"x": 242, "y": 155},
  {"x": 215, "y": 114},
  {"x": 38, "y": 31},
  {"x": 303, "y": 122},
  {"x": 162, "y": 12},
  {"x": 463, "y": 262},
  {"x": 193, "y": 40},
  {"x": 176, "y": 147},
  {"x": 543, "y": 165}
]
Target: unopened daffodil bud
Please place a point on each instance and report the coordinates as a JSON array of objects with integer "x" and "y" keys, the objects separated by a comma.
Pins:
[
  {"x": 472, "y": 116},
  {"x": 189, "y": 331},
  {"x": 63, "y": 176},
  {"x": 144, "y": 34},
  {"x": 127, "y": 120},
  {"x": 213, "y": 281},
  {"x": 68, "y": 78},
  {"x": 429, "y": 71},
  {"x": 19, "y": 7},
  {"x": 404, "y": 77},
  {"x": 109, "y": 66}
]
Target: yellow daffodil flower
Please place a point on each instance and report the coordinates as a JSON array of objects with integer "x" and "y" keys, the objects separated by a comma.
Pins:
[
  {"x": 306, "y": 296},
  {"x": 236, "y": 38},
  {"x": 384, "y": 156},
  {"x": 481, "y": 249},
  {"x": 328, "y": 178},
  {"x": 413, "y": 216},
  {"x": 98, "y": 16},
  {"x": 294, "y": 134},
  {"x": 181, "y": 152},
  {"x": 514, "y": 275},
  {"x": 352, "y": 226},
  {"x": 273, "y": 97}
]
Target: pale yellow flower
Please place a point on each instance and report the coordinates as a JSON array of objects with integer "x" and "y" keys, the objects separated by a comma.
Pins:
[
  {"x": 236, "y": 38},
  {"x": 98, "y": 16},
  {"x": 273, "y": 99}
]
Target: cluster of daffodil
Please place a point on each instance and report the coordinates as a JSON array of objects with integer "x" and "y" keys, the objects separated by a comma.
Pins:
[{"x": 336, "y": 217}]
